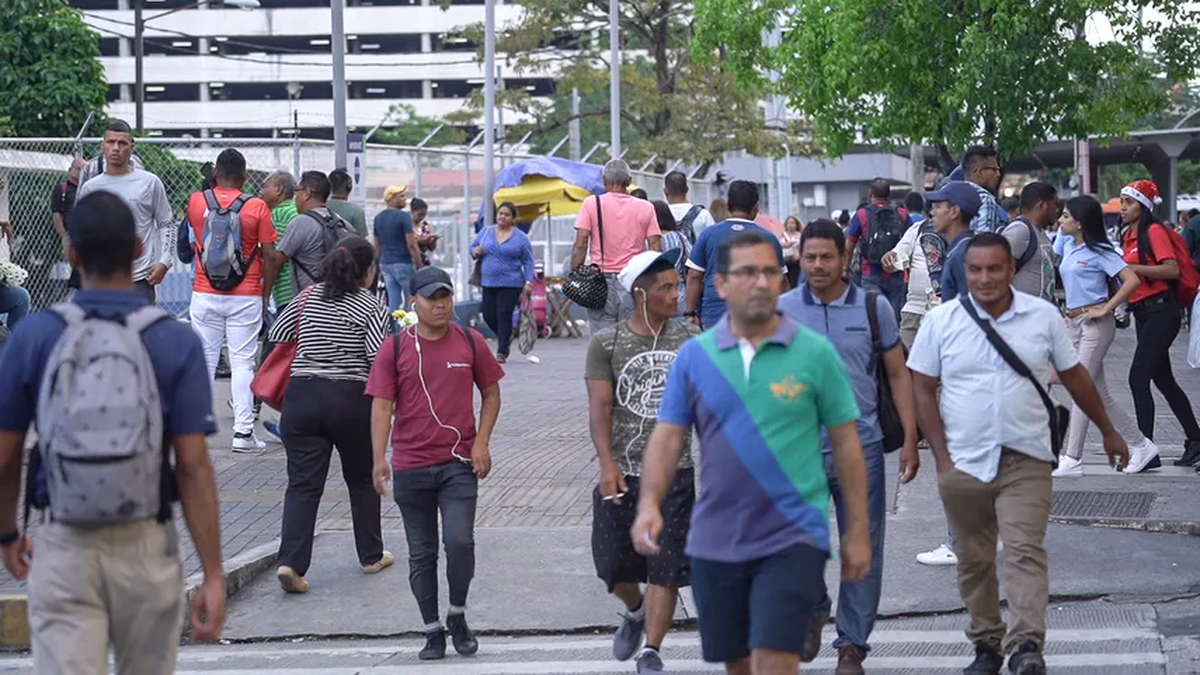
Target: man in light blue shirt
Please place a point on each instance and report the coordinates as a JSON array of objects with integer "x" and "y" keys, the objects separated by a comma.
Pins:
[
  {"x": 991, "y": 441},
  {"x": 831, "y": 306}
]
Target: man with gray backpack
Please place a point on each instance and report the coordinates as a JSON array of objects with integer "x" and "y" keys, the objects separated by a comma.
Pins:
[
  {"x": 116, "y": 389},
  {"x": 314, "y": 233},
  {"x": 235, "y": 272}
]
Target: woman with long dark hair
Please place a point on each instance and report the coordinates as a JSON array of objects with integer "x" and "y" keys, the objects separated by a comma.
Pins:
[
  {"x": 506, "y": 275},
  {"x": 1149, "y": 253},
  {"x": 673, "y": 237},
  {"x": 792, "y": 229},
  {"x": 1089, "y": 262},
  {"x": 338, "y": 326}
]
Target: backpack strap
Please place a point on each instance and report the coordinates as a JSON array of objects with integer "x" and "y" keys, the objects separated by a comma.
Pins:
[
  {"x": 210, "y": 200},
  {"x": 873, "y": 320},
  {"x": 470, "y": 340},
  {"x": 1030, "y": 248},
  {"x": 687, "y": 224},
  {"x": 143, "y": 318},
  {"x": 239, "y": 202},
  {"x": 69, "y": 312}
]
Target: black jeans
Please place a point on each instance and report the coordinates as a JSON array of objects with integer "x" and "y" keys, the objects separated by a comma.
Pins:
[
  {"x": 451, "y": 488},
  {"x": 147, "y": 290},
  {"x": 498, "y": 305},
  {"x": 1157, "y": 326},
  {"x": 318, "y": 416}
]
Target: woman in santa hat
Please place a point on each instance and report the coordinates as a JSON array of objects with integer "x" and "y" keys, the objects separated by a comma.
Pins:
[{"x": 1149, "y": 253}]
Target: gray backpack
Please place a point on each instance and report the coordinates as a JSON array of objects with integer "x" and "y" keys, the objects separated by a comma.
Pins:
[{"x": 100, "y": 422}]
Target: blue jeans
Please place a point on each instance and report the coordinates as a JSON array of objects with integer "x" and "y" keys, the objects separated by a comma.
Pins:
[
  {"x": 858, "y": 603},
  {"x": 396, "y": 276},
  {"x": 14, "y": 302},
  {"x": 893, "y": 288}
]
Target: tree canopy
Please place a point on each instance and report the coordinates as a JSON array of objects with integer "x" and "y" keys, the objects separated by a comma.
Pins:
[
  {"x": 670, "y": 105},
  {"x": 49, "y": 72},
  {"x": 950, "y": 73}
]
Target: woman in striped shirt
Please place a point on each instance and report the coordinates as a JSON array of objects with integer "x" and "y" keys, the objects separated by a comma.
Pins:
[
  {"x": 507, "y": 274},
  {"x": 339, "y": 325}
]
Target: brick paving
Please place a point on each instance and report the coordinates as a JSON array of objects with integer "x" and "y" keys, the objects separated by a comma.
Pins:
[{"x": 544, "y": 464}]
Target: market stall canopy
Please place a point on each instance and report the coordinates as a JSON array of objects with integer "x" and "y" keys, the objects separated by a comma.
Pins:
[{"x": 547, "y": 186}]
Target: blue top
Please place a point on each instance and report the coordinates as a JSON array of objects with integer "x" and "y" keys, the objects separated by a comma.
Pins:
[
  {"x": 844, "y": 321},
  {"x": 392, "y": 227},
  {"x": 954, "y": 270},
  {"x": 704, "y": 259},
  {"x": 174, "y": 349},
  {"x": 505, "y": 265},
  {"x": 758, "y": 414},
  {"x": 1084, "y": 271}
]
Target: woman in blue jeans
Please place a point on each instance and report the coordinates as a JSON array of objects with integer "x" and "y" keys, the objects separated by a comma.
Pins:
[
  {"x": 14, "y": 304},
  {"x": 506, "y": 275}
]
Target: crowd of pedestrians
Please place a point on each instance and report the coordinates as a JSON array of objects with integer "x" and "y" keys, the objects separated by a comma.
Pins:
[{"x": 797, "y": 359}]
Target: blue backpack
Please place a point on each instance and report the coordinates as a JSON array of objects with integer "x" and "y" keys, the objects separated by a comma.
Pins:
[{"x": 220, "y": 245}]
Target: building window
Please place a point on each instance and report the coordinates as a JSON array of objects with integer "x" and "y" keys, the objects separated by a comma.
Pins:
[
  {"x": 92, "y": 5},
  {"x": 114, "y": 93},
  {"x": 189, "y": 46},
  {"x": 455, "y": 88},
  {"x": 399, "y": 43},
  {"x": 110, "y": 46},
  {"x": 451, "y": 43},
  {"x": 256, "y": 91},
  {"x": 172, "y": 92},
  {"x": 391, "y": 89},
  {"x": 535, "y": 86}
]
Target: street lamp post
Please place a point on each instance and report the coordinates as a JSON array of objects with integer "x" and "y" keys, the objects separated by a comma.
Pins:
[
  {"x": 489, "y": 106},
  {"x": 338, "y": 40},
  {"x": 139, "y": 47},
  {"x": 614, "y": 78}
]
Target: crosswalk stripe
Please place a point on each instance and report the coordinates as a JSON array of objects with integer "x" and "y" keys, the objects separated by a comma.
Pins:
[
  {"x": 490, "y": 645},
  {"x": 1073, "y": 662}
]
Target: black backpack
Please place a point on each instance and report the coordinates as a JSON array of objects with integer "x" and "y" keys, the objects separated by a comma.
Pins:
[
  {"x": 885, "y": 227},
  {"x": 686, "y": 225}
]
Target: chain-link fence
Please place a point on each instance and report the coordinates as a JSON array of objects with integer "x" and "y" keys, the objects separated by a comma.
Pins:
[{"x": 449, "y": 180}]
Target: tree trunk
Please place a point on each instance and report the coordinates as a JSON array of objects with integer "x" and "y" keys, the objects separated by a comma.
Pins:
[{"x": 946, "y": 161}]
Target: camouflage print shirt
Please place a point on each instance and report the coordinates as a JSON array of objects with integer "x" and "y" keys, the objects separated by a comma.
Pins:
[{"x": 637, "y": 368}]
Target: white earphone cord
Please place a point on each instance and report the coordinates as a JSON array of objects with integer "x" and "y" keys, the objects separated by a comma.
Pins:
[
  {"x": 653, "y": 348},
  {"x": 438, "y": 420}
]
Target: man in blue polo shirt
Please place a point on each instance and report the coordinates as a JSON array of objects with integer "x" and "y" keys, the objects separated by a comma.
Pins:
[
  {"x": 119, "y": 583},
  {"x": 831, "y": 306},
  {"x": 759, "y": 389},
  {"x": 705, "y": 306}
]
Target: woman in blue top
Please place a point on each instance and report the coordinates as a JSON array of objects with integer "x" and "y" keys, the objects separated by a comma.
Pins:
[
  {"x": 506, "y": 275},
  {"x": 1089, "y": 260}
]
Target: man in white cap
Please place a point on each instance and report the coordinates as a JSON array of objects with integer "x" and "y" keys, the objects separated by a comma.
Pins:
[{"x": 626, "y": 371}]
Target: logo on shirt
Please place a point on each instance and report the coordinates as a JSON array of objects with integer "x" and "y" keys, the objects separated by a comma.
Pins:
[
  {"x": 787, "y": 390},
  {"x": 452, "y": 364},
  {"x": 642, "y": 381}
]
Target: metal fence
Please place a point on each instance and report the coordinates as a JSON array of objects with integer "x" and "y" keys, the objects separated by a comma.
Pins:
[{"x": 450, "y": 180}]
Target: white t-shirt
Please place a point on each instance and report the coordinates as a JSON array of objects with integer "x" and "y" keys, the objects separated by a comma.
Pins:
[
  {"x": 703, "y": 219},
  {"x": 918, "y": 271}
]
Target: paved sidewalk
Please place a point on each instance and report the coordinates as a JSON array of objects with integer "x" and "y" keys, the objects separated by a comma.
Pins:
[{"x": 545, "y": 465}]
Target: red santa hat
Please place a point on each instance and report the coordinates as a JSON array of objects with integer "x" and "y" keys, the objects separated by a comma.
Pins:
[{"x": 1145, "y": 192}]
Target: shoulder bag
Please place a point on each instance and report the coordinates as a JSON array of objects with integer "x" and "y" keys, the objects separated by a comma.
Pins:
[
  {"x": 586, "y": 285},
  {"x": 889, "y": 417},
  {"x": 270, "y": 382},
  {"x": 1060, "y": 417}
]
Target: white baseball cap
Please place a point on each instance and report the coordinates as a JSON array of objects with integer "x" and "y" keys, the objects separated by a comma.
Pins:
[{"x": 643, "y": 261}]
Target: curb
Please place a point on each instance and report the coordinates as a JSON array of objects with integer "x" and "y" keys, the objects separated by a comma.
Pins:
[
  {"x": 1185, "y": 527},
  {"x": 240, "y": 570}
]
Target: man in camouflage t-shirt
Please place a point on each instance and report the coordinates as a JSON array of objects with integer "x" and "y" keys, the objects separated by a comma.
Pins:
[{"x": 626, "y": 373}]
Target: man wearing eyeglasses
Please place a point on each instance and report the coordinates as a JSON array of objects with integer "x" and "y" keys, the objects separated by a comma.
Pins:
[
  {"x": 981, "y": 168},
  {"x": 704, "y": 306}
]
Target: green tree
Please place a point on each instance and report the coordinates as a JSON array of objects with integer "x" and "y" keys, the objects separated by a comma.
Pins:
[
  {"x": 405, "y": 127},
  {"x": 949, "y": 73},
  {"x": 670, "y": 105},
  {"x": 49, "y": 73}
]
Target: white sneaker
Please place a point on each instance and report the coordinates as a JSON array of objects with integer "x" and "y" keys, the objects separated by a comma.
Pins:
[
  {"x": 1068, "y": 467},
  {"x": 1143, "y": 457},
  {"x": 941, "y": 556},
  {"x": 247, "y": 443}
]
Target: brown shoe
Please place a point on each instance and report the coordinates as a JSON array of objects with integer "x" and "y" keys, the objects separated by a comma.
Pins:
[
  {"x": 290, "y": 581},
  {"x": 382, "y": 564},
  {"x": 812, "y": 644},
  {"x": 849, "y": 661}
]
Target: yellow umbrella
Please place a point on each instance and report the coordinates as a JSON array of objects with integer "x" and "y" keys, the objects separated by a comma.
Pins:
[{"x": 542, "y": 195}]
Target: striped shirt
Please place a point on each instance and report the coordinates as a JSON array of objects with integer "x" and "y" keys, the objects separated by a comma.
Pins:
[{"x": 338, "y": 339}]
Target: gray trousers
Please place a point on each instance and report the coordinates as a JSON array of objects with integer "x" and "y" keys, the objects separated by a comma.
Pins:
[{"x": 618, "y": 308}]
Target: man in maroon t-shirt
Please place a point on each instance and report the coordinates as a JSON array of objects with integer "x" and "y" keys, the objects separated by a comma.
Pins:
[{"x": 423, "y": 377}]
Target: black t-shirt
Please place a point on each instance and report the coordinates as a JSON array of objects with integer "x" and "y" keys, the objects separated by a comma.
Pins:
[{"x": 62, "y": 198}]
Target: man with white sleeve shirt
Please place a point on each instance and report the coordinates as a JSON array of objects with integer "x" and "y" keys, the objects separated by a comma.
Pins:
[{"x": 991, "y": 443}]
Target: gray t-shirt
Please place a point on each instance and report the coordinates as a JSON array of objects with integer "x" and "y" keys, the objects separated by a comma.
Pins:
[
  {"x": 1036, "y": 276},
  {"x": 304, "y": 245},
  {"x": 145, "y": 195},
  {"x": 638, "y": 371}
]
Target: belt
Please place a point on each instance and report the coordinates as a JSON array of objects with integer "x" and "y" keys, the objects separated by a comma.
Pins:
[
  {"x": 1072, "y": 313},
  {"x": 1156, "y": 299}
]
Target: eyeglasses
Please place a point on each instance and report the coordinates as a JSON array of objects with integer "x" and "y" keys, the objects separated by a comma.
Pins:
[
  {"x": 752, "y": 274},
  {"x": 990, "y": 168}
]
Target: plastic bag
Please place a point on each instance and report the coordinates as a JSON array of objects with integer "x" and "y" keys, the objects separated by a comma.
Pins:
[{"x": 1194, "y": 336}]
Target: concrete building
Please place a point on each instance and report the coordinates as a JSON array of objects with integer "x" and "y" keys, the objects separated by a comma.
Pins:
[{"x": 223, "y": 72}]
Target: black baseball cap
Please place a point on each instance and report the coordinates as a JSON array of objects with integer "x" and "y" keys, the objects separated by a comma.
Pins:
[{"x": 430, "y": 280}]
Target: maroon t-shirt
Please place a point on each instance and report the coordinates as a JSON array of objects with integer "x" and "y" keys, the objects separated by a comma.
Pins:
[{"x": 451, "y": 370}]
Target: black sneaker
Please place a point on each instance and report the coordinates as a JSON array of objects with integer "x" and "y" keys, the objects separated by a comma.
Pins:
[
  {"x": 1027, "y": 660},
  {"x": 988, "y": 661},
  {"x": 435, "y": 646},
  {"x": 1191, "y": 454},
  {"x": 464, "y": 640}
]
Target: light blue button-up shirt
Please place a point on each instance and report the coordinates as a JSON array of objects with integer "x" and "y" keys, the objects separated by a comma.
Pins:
[{"x": 985, "y": 405}]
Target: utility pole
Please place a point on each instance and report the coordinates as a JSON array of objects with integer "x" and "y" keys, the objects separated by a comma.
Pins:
[
  {"x": 339, "y": 82},
  {"x": 614, "y": 78}
]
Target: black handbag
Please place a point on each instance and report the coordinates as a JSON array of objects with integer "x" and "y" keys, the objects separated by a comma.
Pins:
[
  {"x": 889, "y": 418},
  {"x": 586, "y": 285},
  {"x": 1060, "y": 417}
]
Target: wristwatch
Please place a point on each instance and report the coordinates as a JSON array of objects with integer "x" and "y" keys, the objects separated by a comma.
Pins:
[
  {"x": 9, "y": 539},
  {"x": 691, "y": 315}
]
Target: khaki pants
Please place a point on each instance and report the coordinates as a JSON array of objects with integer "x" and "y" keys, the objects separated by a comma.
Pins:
[
  {"x": 909, "y": 324},
  {"x": 1092, "y": 340},
  {"x": 1016, "y": 505},
  {"x": 121, "y": 584}
]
